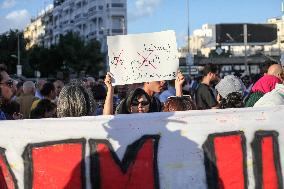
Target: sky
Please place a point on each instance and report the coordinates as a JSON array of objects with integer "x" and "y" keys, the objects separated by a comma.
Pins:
[{"x": 146, "y": 16}]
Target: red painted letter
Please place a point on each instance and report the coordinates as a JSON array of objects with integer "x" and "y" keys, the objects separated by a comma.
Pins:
[
  {"x": 138, "y": 169},
  {"x": 55, "y": 165},
  {"x": 225, "y": 160},
  {"x": 267, "y": 167},
  {"x": 7, "y": 178}
]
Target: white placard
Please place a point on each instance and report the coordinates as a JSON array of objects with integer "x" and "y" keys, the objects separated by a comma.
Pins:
[{"x": 143, "y": 57}]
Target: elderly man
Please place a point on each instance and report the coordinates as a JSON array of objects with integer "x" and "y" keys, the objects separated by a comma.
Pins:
[
  {"x": 275, "y": 70},
  {"x": 27, "y": 98},
  {"x": 265, "y": 84}
]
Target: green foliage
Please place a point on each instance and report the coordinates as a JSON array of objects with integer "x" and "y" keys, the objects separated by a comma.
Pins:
[
  {"x": 80, "y": 55},
  {"x": 9, "y": 49},
  {"x": 71, "y": 54}
]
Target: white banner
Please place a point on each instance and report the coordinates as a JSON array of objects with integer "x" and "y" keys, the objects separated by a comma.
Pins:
[
  {"x": 143, "y": 57},
  {"x": 235, "y": 148}
]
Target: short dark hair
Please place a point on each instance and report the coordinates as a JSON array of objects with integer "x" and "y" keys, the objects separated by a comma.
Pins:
[
  {"x": 99, "y": 92},
  {"x": 47, "y": 88},
  {"x": 209, "y": 68},
  {"x": 233, "y": 100},
  {"x": 42, "y": 107}
]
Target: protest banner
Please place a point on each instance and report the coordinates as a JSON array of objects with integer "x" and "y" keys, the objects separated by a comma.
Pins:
[
  {"x": 141, "y": 58},
  {"x": 231, "y": 149}
]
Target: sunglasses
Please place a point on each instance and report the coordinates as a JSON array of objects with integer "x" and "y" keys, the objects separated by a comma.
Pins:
[
  {"x": 143, "y": 103},
  {"x": 9, "y": 83}
]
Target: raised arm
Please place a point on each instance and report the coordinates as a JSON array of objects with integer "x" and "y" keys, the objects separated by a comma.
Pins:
[
  {"x": 108, "y": 106},
  {"x": 178, "y": 83}
]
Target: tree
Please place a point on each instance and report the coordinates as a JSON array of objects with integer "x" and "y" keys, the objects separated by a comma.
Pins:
[
  {"x": 9, "y": 49},
  {"x": 47, "y": 61},
  {"x": 80, "y": 55}
]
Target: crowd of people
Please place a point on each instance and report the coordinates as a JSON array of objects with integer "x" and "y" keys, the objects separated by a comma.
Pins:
[{"x": 89, "y": 97}]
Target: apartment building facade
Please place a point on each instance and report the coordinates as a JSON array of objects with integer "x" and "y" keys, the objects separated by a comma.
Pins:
[
  {"x": 36, "y": 31},
  {"x": 91, "y": 19}
]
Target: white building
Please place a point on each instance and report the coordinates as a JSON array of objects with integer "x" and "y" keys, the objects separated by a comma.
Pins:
[
  {"x": 204, "y": 40},
  {"x": 35, "y": 32},
  {"x": 91, "y": 19},
  {"x": 279, "y": 46}
]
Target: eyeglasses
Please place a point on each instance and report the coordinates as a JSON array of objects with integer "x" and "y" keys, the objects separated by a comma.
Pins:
[
  {"x": 143, "y": 103},
  {"x": 9, "y": 83}
]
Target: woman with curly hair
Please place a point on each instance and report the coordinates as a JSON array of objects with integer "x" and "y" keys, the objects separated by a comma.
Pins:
[
  {"x": 75, "y": 100},
  {"x": 233, "y": 100},
  {"x": 179, "y": 103}
]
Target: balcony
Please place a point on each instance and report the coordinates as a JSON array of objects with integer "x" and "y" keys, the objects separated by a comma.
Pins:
[
  {"x": 81, "y": 18},
  {"x": 117, "y": 31},
  {"x": 92, "y": 15},
  {"x": 57, "y": 11},
  {"x": 92, "y": 35},
  {"x": 56, "y": 30}
]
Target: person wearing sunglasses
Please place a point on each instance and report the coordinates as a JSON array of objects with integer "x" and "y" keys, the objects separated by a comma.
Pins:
[
  {"x": 139, "y": 100},
  {"x": 6, "y": 89}
]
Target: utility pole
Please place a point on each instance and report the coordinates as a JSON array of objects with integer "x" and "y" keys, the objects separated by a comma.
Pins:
[
  {"x": 189, "y": 60},
  {"x": 188, "y": 29},
  {"x": 245, "y": 44},
  {"x": 19, "y": 49}
]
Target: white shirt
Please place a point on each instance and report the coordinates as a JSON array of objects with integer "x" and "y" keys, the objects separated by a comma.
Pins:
[{"x": 273, "y": 98}]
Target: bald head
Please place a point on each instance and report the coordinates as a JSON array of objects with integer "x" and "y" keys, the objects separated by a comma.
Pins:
[{"x": 276, "y": 70}]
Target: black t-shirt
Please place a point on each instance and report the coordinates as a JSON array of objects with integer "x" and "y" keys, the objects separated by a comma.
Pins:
[
  {"x": 156, "y": 105},
  {"x": 205, "y": 98}
]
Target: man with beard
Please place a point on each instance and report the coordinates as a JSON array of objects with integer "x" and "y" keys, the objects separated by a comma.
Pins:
[
  {"x": 9, "y": 107},
  {"x": 204, "y": 95}
]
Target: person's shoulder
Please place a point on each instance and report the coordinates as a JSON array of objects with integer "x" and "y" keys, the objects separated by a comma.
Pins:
[
  {"x": 202, "y": 87},
  {"x": 2, "y": 115},
  {"x": 34, "y": 104}
]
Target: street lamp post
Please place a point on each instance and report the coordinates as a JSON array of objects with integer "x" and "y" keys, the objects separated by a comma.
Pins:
[
  {"x": 19, "y": 66},
  {"x": 188, "y": 30},
  {"x": 189, "y": 59}
]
